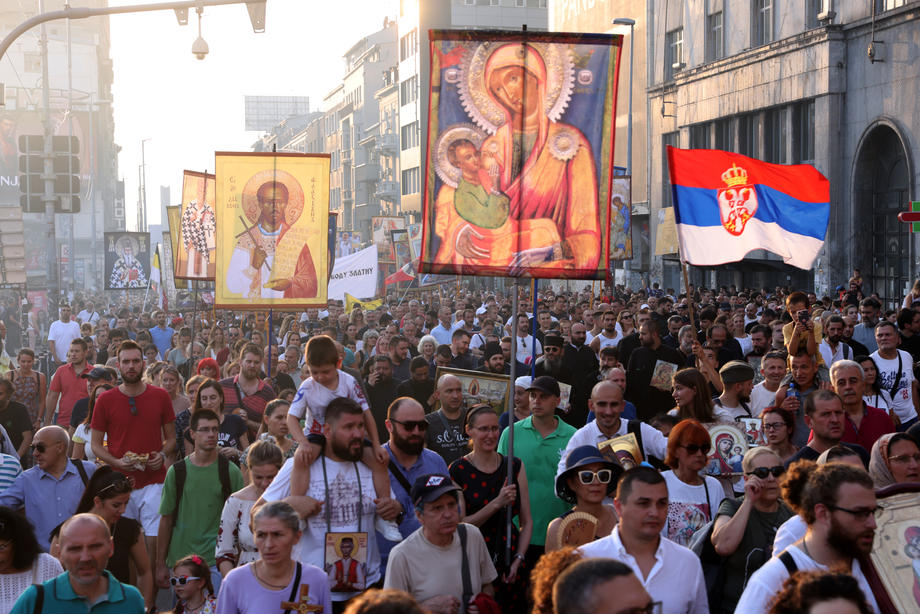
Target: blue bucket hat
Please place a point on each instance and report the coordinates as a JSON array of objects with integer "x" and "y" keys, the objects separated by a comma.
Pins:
[{"x": 578, "y": 458}]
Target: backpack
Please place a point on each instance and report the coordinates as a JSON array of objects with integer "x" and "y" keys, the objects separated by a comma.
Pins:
[
  {"x": 635, "y": 427},
  {"x": 223, "y": 472}
]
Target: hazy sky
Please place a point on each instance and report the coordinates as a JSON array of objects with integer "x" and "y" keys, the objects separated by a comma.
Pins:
[{"x": 190, "y": 108}]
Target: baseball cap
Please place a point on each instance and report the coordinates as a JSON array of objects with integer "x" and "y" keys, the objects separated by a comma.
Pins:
[
  {"x": 427, "y": 488},
  {"x": 97, "y": 373},
  {"x": 546, "y": 384}
]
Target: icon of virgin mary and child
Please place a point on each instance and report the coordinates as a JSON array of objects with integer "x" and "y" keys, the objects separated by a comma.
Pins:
[{"x": 522, "y": 192}]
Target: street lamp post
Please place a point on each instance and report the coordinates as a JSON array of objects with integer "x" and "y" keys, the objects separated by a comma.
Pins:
[{"x": 626, "y": 21}]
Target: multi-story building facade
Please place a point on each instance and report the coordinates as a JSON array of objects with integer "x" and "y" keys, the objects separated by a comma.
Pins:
[
  {"x": 831, "y": 83},
  {"x": 89, "y": 69},
  {"x": 416, "y": 18}
]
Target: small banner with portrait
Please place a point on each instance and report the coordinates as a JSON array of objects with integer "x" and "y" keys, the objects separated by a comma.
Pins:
[
  {"x": 197, "y": 241},
  {"x": 174, "y": 221},
  {"x": 272, "y": 219},
  {"x": 127, "y": 260},
  {"x": 520, "y": 138}
]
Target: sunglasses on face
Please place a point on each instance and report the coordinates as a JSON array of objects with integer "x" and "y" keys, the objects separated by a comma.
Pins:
[
  {"x": 132, "y": 405},
  {"x": 40, "y": 447},
  {"x": 693, "y": 448},
  {"x": 412, "y": 425},
  {"x": 602, "y": 476},
  {"x": 763, "y": 472},
  {"x": 182, "y": 580}
]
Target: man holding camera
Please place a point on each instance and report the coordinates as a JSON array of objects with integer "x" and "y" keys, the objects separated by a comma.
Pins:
[{"x": 802, "y": 332}]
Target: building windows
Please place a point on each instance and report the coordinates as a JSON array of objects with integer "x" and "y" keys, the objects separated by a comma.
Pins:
[
  {"x": 803, "y": 124},
  {"x": 774, "y": 136},
  {"x": 887, "y": 5},
  {"x": 747, "y": 135},
  {"x": 762, "y": 20},
  {"x": 408, "y": 45},
  {"x": 408, "y": 90},
  {"x": 410, "y": 181},
  {"x": 674, "y": 53},
  {"x": 699, "y": 136},
  {"x": 409, "y": 136},
  {"x": 520, "y": 3},
  {"x": 813, "y": 8},
  {"x": 672, "y": 139},
  {"x": 715, "y": 39},
  {"x": 722, "y": 135}
]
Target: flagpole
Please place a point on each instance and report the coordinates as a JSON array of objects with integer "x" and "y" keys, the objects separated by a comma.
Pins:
[
  {"x": 683, "y": 267},
  {"x": 509, "y": 403}
]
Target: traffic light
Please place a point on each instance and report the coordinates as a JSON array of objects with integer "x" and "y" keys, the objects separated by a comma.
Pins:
[{"x": 65, "y": 168}]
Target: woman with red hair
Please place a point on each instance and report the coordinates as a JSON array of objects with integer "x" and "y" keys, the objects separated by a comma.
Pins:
[{"x": 692, "y": 499}]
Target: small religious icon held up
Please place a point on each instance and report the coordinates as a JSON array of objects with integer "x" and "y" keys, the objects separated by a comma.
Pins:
[{"x": 302, "y": 606}]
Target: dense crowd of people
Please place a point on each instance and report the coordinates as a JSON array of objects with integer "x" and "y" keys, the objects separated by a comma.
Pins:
[{"x": 333, "y": 460}]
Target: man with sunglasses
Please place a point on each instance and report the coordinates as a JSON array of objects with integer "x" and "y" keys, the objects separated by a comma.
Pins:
[
  {"x": 838, "y": 506},
  {"x": 50, "y": 491},
  {"x": 551, "y": 362},
  {"x": 825, "y": 416},
  {"x": 409, "y": 459},
  {"x": 669, "y": 572}
]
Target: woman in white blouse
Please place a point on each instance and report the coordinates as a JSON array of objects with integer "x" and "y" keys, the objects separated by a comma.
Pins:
[
  {"x": 22, "y": 563},
  {"x": 235, "y": 544}
]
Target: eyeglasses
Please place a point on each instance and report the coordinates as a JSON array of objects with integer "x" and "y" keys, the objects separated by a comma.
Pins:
[
  {"x": 772, "y": 426},
  {"x": 653, "y": 608},
  {"x": 903, "y": 458},
  {"x": 763, "y": 472},
  {"x": 40, "y": 447},
  {"x": 412, "y": 425},
  {"x": 488, "y": 429},
  {"x": 208, "y": 429},
  {"x": 862, "y": 514},
  {"x": 602, "y": 476},
  {"x": 182, "y": 580},
  {"x": 693, "y": 448},
  {"x": 551, "y": 349},
  {"x": 132, "y": 405}
]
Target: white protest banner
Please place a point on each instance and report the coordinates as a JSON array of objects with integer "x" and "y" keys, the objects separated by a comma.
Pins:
[{"x": 355, "y": 274}]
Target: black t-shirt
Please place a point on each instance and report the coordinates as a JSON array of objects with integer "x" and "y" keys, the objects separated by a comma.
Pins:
[
  {"x": 15, "y": 419},
  {"x": 446, "y": 437},
  {"x": 420, "y": 391},
  {"x": 809, "y": 453},
  {"x": 648, "y": 399}
]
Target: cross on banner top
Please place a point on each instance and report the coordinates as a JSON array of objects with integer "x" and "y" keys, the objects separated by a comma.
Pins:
[
  {"x": 911, "y": 217},
  {"x": 302, "y": 606}
]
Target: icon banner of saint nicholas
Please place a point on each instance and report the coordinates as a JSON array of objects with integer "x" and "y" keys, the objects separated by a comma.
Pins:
[
  {"x": 272, "y": 218},
  {"x": 520, "y": 153},
  {"x": 197, "y": 241},
  {"x": 127, "y": 260}
]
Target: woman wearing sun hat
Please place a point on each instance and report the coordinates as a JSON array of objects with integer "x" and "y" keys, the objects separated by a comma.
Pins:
[{"x": 587, "y": 480}]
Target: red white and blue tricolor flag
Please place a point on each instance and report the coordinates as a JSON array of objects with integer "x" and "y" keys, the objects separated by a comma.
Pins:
[{"x": 726, "y": 205}]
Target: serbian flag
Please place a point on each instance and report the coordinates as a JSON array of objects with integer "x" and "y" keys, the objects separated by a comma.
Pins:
[{"x": 726, "y": 205}]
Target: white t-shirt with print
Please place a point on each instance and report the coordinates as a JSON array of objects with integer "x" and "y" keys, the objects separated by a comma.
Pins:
[
  {"x": 761, "y": 398},
  {"x": 688, "y": 507},
  {"x": 315, "y": 398},
  {"x": 346, "y": 496},
  {"x": 901, "y": 399}
]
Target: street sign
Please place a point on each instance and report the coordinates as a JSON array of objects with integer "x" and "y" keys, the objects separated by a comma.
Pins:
[{"x": 911, "y": 217}]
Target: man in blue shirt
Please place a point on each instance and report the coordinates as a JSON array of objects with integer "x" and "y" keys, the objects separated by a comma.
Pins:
[
  {"x": 51, "y": 490},
  {"x": 85, "y": 585},
  {"x": 162, "y": 335},
  {"x": 409, "y": 459}
]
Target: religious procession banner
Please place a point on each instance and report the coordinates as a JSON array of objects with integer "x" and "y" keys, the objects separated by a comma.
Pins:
[
  {"x": 272, "y": 218},
  {"x": 520, "y": 141},
  {"x": 127, "y": 260},
  {"x": 197, "y": 243},
  {"x": 381, "y": 227},
  {"x": 620, "y": 218},
  {"x": 174, "y": 221}
]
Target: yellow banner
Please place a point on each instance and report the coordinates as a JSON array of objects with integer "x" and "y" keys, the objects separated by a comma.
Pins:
[
  {"x": 195, "y": 256},
  {"x": 272, "y": 219},
  {"x": 351, "y": 301},
  {"x": 174, "y": 218}
]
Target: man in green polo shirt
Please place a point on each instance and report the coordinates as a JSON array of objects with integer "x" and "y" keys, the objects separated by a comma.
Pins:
[
  {"x": 86, "y": 585},
  {"x": 539, "y": 441}
]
